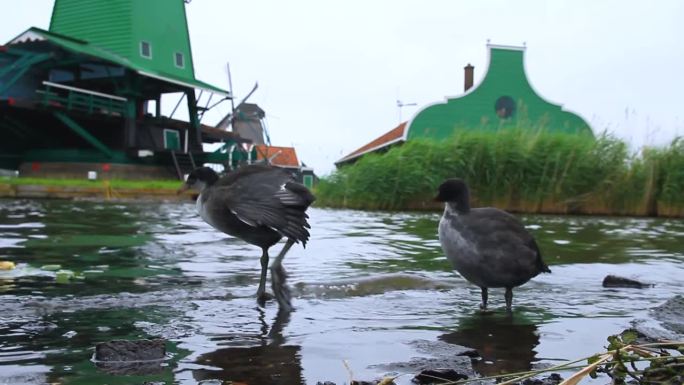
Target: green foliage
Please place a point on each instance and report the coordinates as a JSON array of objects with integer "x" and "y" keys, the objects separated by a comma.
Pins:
[
  {"x": 664, "y": 365},
  {"x": 523, "y": 170}
]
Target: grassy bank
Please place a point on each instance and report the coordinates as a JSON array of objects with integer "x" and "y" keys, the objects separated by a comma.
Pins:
[
  {"x": 520, "y": 171},
  {"x": 52, "y": 188},
  {"x": 114, "y": 183}
]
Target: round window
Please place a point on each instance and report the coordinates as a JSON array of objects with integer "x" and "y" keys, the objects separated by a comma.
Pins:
[{"x": 504, "y": 107}]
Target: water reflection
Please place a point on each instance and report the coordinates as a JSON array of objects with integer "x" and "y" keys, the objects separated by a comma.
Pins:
[
  {"x": 366, "y": 284},
  {"x": 270, "y": 362},
  {"x": 504, "y": 342},
  {"x": 97, "y": 241}
]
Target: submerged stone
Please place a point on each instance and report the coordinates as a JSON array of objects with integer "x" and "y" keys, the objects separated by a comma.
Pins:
[
  {"x": 124, "y": 350},
  {"x": 667, "y": 322},
  {"x": 445, "y": 358},
  {"x": 435, "y": 376},
  {"x": 122, "y": 357},
  {"x": 671, "y": 314},
  {"x": 552, "y": 379}
]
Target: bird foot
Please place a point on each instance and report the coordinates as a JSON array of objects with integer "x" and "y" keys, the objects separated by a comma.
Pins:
[
  {"x": 262, "y": 298},
  {"x": 280, "y": 288}
]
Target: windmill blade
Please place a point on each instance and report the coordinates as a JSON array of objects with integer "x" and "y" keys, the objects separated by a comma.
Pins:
[
  {"x": 256, "y": 85},
  {"x": 228, "y": 119}
]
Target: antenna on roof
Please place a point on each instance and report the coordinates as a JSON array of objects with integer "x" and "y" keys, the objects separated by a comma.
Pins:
[{"x": 401, "y": 104}]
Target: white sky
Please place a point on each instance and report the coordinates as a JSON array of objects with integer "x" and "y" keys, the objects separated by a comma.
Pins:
[{"x": 330, "y": 72}]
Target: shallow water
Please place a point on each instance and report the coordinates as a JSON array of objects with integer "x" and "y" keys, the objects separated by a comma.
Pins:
[{"x": 367, "y": 287}]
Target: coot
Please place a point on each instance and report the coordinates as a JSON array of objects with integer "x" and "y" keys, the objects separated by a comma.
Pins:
[
  {"x": 487, "y": 246},
  {"x": 259, "y": 204}
]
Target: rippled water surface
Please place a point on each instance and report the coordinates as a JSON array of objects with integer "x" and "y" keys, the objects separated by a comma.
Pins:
[{"x": 367, "y": 287}]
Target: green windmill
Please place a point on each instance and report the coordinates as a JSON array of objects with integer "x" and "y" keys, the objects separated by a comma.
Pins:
[{"x": 87, "y": 94}]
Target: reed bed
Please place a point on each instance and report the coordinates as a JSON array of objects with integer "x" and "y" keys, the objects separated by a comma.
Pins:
[{"x": 519, "y": 170}]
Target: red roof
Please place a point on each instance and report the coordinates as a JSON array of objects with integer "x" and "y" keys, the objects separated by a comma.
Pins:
[
  {"x": 394, "y": 135},
  {"x": 279, "y": 156}
]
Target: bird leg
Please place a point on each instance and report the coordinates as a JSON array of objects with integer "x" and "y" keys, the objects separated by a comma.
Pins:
[
  {"x": 483, "y": 305},
  {"x": 509, "y": 298},
  {"x": 279, "y": 259},
  {"x": 262, "y": 296},
  {"x": 278, "y": 278}
]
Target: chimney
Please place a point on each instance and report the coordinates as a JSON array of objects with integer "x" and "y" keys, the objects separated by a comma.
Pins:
[{"x": 468, "y": 81}]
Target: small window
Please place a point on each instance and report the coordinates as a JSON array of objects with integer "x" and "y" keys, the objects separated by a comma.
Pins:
[
  {"x": 308, "y": 181},
  {"x": 145, "y": 49},
  {"x": 180, "y": 60},
  {"x": 504, "y": 107}
]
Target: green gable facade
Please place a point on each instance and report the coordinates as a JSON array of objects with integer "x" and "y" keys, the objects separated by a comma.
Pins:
[
  {"x": 504, "y": 98},
  {"x": 150, "y": 34}
]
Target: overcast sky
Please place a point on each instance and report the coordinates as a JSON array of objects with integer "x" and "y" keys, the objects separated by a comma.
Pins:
[{"x": 330, "y": 72}]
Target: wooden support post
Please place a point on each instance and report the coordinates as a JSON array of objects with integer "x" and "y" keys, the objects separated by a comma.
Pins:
[{"x": 196, "y": 131}]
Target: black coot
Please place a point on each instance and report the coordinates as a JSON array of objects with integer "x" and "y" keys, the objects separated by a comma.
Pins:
[
  {"x": 487, "y": 246},
  {"x": 259, "y": 204}
]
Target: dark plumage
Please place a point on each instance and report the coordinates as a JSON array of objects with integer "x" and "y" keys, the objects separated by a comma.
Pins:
[
  {"x": 487, "y": 246},
  {"x": 259, "y": 204}
]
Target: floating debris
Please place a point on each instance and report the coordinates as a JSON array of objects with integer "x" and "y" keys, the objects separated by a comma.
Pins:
[{"x": 64, "y": 276}]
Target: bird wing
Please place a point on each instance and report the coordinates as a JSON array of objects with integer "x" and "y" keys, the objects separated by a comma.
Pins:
[
  {"x": 506, "y": 234},
  {"x": 269, "y": 198}
]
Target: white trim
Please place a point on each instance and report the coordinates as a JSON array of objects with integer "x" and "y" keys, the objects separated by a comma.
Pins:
[
  {"x": 401, "y": 138},
  {"x": 184, "y": 84},
  {"x": 230, "y": 154},
  {"x": 249, "y": 153},
  {"x": 57, "y": 85},
  {"x": 508, "y": 47},
  {"x": 185, "y": 147},
  {"x": 27, "y": 36},
  {"x": 467, "y": 92},
  {"x": 559, "y": 105}
]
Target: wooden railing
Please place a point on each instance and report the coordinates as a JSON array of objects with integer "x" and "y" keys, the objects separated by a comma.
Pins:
[{"x": 79, "y": 99}]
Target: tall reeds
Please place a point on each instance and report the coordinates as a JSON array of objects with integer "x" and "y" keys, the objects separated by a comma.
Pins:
[{"x": 520, "y": 170}]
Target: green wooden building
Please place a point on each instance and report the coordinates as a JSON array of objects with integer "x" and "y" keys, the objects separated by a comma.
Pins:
[
  {"x": 86, "y": 95},
  {"x": 503, "y": 99}
]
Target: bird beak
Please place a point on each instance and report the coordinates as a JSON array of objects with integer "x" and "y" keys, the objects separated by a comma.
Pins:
[{"x": 182, "y": 189}]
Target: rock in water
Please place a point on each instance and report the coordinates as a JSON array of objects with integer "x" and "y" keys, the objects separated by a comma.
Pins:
[{"x": 615, "y": 281}]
